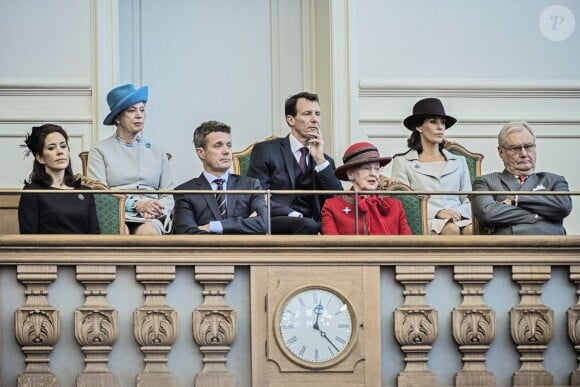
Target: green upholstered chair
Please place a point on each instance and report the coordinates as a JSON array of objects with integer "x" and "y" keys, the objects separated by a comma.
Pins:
[
  {"x": 242, "y": 158},
  {"x": 473, "y": 159},
  {"x": 110, "y": 208},
  {"x": 415, "y": 206}
]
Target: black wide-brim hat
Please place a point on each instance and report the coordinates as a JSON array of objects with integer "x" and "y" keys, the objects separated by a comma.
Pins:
[
  {"x": 428, "y": 107},
  {"x": 358, "y": 154}
]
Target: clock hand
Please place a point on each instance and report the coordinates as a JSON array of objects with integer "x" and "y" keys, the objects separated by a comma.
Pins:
[
  {"x": 318, "y": 311},
  {"x": 323, "y": 334}
]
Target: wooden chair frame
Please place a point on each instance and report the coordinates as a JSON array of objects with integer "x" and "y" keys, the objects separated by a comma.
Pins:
[{"x": 457, "y": 148}]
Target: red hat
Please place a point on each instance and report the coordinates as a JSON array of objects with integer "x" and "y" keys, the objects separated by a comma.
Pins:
[{"x": 357, "y": 154}]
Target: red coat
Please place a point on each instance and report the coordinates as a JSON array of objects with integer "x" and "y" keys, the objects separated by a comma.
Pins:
[{"x": 338, "y": 217}]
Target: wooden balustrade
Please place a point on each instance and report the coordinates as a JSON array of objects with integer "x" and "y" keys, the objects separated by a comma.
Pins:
[{"x": 214, "y": 329}]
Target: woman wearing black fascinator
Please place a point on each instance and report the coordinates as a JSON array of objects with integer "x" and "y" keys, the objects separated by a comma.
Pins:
[{"x": 66, "y": 213}]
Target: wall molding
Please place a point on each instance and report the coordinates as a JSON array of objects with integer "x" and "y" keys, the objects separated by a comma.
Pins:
[
  {"x": 562, "y": 119},
  {"x": 470, "y": 136},
  {"x": 470, "y": 88},
  {"x": 45, "y": 89},
  {"x": 106, "y": 69},
  {"x": 35, "y": 120},
  {"x": 275, "y": 72}
]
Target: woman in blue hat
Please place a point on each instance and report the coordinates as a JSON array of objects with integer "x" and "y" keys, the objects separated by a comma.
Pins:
[
  {"x": 428, "y": 166},
  {"x": 127, "y": 161}
]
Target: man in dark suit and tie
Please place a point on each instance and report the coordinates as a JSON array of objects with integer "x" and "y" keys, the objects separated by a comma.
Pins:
[
  {"x": 514, "y": 214},
  {"x": 218, "y": 213},
  {"x": 296, "y": 162}
]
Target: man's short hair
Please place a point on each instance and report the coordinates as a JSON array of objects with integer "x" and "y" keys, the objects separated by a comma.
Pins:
[
  {"x": 201, "y": 132},
  {"x": 290, "y": 105},
  {"x": 510, "y": 127}
]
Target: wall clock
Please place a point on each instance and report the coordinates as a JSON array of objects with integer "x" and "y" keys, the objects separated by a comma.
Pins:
[{"x": 314, "y": 326}]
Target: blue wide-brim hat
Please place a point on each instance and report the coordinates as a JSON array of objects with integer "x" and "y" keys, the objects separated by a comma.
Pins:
[{"x": 121, "y": 97}]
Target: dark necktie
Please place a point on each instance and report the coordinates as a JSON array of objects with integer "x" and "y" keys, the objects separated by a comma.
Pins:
[
  {"x": 220, "y": 197},
  {"x": 522, "y": 179},
  {"x": 302, "y": 161}
]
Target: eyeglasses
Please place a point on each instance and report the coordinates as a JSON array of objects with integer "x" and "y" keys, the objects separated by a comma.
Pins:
[
  {"x": 517, "y": 149},
  {"x": 368, "y": 168}
]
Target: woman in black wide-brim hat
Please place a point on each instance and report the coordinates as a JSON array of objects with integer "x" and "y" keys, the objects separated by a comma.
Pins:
[{"x": 427, "y": 166}]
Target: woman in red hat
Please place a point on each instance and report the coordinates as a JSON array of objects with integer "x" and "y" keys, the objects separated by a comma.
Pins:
[
  {"x": 377, "y": 215},
  {"x": 428, "y": 166}
]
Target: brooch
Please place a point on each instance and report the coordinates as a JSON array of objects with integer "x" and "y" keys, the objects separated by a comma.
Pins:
[
  {"x": 81, "y": 197},
  {"x": 346, "y": 210}
]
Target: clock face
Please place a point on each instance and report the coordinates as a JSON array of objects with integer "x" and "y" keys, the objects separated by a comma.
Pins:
[{"x": 315, "y": 325}]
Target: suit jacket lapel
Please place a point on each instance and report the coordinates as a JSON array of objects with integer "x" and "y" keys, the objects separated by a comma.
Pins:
[
  {"x": 289, "y": 159},
  {"x": 203, "y": 184},
  {"x": 530, "y": 183},
  {"x": 510, "y": 181}
]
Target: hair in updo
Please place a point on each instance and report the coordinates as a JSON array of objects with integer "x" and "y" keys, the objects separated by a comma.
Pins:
[{"x": 34, "y": 144}]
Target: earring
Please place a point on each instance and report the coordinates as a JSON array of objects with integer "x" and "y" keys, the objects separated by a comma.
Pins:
[
  {"x": 117, "y": 122},
  {"x": 350, "y": 178}
]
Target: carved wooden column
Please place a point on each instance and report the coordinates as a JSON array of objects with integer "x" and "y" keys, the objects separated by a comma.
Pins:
[
  {"x": 532, "y": 324},
  {"x": 574, "y": 324},
  {"x": 473, "y": 326},
  {"x": 214, "y": 326},
  {"x": 37, "y": 325},
  {"x": 96, "y": 326},
  {"x": 155, "y": 326},
  {"x": 415, "y": 326}
]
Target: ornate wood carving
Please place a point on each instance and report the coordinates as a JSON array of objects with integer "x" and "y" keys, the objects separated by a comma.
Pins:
[
  {"x": 416, "y": 326},
  {"x": 37, "y": 325},
  {"x": 214, "y": 326},
  {"x": 155, "y": 326},
  {"x": 473, "y": 326},
  {"x": 96, "y": 326},
  {"x": 574, "y": 324},
  {"x": 532, "y": 324}
]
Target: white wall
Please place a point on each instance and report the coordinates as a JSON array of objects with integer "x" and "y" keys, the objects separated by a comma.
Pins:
[
  {"x": 211, "y": 61},
  {"x": 45, "y": 76}
]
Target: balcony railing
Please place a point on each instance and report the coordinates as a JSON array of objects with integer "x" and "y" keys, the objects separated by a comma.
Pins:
[{"x": 180, "y": 309}]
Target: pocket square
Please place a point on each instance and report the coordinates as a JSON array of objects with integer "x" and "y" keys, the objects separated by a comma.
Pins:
[{"x": 539, "y": 187}]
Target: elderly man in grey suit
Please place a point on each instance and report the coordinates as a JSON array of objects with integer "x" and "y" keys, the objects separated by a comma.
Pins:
[
  {"x": 514, "y": 214},
  {"x": 218, "y": 213}
]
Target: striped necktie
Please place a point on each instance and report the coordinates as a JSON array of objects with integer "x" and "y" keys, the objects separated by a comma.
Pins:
[
  {"x": 522, "y": 179},
  {"x": 220, "y": 197}
]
